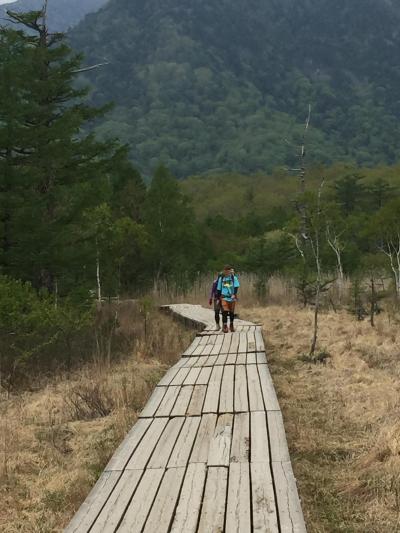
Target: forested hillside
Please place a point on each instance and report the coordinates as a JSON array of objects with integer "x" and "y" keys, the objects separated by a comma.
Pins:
[
  {"x": 208, "y": 85},
  {"x": 62, "y": 14}
]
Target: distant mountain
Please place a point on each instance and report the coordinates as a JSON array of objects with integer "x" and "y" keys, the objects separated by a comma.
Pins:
[
  {"x": 62, "y": 14},
  {"x": 205, "y": 84}
]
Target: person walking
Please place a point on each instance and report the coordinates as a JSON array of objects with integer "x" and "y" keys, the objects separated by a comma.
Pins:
[
  {"x": 214, "y": 299},
  {"x": 227, "y": 291}
]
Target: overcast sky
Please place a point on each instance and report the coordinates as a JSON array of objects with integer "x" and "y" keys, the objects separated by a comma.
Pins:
[{"x": 6, "y": 1}]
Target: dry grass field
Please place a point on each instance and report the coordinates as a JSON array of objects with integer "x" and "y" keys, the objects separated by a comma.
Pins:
[{"x": 341, "y": 417}]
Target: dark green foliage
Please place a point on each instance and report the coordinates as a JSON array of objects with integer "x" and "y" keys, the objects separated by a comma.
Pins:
[{"x": 206, "y": 86}]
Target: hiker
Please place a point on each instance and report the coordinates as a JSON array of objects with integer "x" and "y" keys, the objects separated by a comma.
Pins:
[
  {"x": 216, "y": 300},
  {"x": 227, "y": 289}
]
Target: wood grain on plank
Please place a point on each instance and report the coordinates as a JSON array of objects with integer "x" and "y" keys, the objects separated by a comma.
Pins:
[
  {"x": 220, "y": 445},
  {"x": 251, "y": 358},
  {"x": 166, "y": 443},
  {"x": 242, "y": 342},
  {"x": 241, "y": 359},
  {"x": 154, "y": 402},
  {"x": 227, "y": 387},
  {"x": 117, "y": 503},
  {"x": 261, "y": 358},
  {"x": 182, "y": 401},
  {"x": 268, "y": 389},
  {"x": 221, "y": 359},
  {"x": 213, "y": 511},
  {"x": 141, "y": 503},
  {"x": 211, "y": 360},
  {"x": 279, "y": 447},
  {"x": 226, "y": 343},
  {"x": 251, "y": 341},
  {"x": 163, "y": 508},
  {"x": 128, "y": 445},
  {"x": 167, "y": 403},
  {"x": 203, "y": 440},
  {"x": 238, "y": 510},
  {"x": 241, "y": 401},
  {"x": 240, "y": 449},
  {"x": 213, "y": 390},
  {"x": 142, "y": 453},
  {"x": 204, "y": 376},
  {"x": 180, "y": 376},
  {"x": 254, "y": 387},
  {"x": 260, "y": 347},
  {"x": 290, "y": 513},
  {"x": 191, "y": 378},
  {"x": 231, "y": 359},
  {"x": 93, "y": 504},
  {"x": 259, "y": 438},
  {"x": 188, "y": 510},
  {"x": 196, "y": 403},
  {"x": 184, "y": 444},
  {"x": 233, "y": 349},
  {"x": 265, "y": 516}
]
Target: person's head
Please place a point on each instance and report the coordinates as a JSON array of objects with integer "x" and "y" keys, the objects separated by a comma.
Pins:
[
  {"x": 227, "y": 270},
  {"x": 232, "y": 271}
]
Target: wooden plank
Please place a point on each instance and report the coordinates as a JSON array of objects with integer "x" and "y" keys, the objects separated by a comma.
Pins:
[
  {"x": 265, "y": 517},
  {"x": 260, "y": 346},
  {"x": 168, "y": 402},
  {"x": 241, "y": 400},
  {"x": 213, "y": 511},
  {"x": 182, "y": 401},
  {"x": 254, "y": 387},
  {"x": 190, "y": 362},
  {"x": 197, "y": 400},
  {"x": 116, "y": 505},
  {"x": 241, "y": 359},
  {"x": 203, "y": 440},
  {"x": 234, "y": 343},
  {"x": 204, "y": 339},
  {"x": 207, "y": 350},
  {"x": 180, "y": 376},
  {"x": 191, "y": 378},
  {"x": 242, "y": 342},
  {"x": 185, "y": 442},
  {"x": 251, "y": 341},
  {"x": 218, "y": 344},
  {"x": 120, "y": 458},
  {"x": 221, "y": 442},
  {"x": 259, "y": 438},
  {"x": 213, "y": 391},
  {"x": 240, "y": 450},
  {"x": 198, "y": 350},
  {"x": 162, "y": 512},
  {"x": 192, "y": 347},
  {"x": 168, "y": 377},
  {"x": 188, "y": 510},
  {"x": 93, "y": 504},
  {"x": 166, "y": 444},
  {"x": 221, "y": 359},
  {"x": 154, "y": 402},
  {"x": 268, "y": 389},
  {"x": 290, "y": 513},
  {"x": 251, "y": 358},
  {"x": 211, "y": 360},
  {"x": 261, "y": 358},
  {"x": 227, "y": 387},
  {"x": 142, "y": 453},
  {"x": 238, "y": 510},
  {"x": 231, "y": 359},
  {"x": 226, "y": 343},
  {"x": 279, "y": 447},
  {"x": 204, "y": 376},
  {"x": 141, "y": 503}
]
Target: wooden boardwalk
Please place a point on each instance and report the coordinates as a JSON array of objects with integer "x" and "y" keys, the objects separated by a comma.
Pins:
[{"x": 208, "y": 453}]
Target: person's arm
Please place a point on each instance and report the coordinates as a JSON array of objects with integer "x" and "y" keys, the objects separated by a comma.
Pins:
[
  {"x": 236, "y": 285},
  {"x": 219, "y": 287},
  {"x": 213, "y": 292}
]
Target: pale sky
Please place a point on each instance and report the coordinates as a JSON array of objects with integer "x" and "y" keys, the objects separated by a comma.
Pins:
[{"x": 6, "y": 1}]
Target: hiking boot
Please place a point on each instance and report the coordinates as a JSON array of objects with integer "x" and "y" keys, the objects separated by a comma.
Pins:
[
  {"x": 232, "y": 328},
  {"x": 225, "y": 328}
]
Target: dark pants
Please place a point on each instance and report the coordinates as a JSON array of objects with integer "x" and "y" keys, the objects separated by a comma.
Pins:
[
  {"x": 228, "y": 308},
  {"x": 217, "y": 310}
]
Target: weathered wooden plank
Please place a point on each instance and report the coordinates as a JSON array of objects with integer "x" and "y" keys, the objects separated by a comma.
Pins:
[
  {"x": 268, "y": 389},
  {"x": 207, "y": 350},
  {"x": 192, "y": 347},
  {"x": 191, "y": 378},
  {"x": 180, "y": 376},
  {"x": 168, "y": 401},
  {"x": 213, "y": 511},
  {"x": 226, "y": 343},
  {"x": 191, "y": 361},
  {"x": 251, "y": 341},
  {"x": 143, "y": 452},
  {"x": 128, "y": 445},
  {"x": 259, "y": 438},
  {"x": 154, "y": 402},
  {"x": 162, "y": 512},
  {"x": 218, "y": 344},
  {"x": 93, "y": 504},
  {"x": 182, "y": 401},
  {"x": 290, "y": 513},
  {"x": 198, "y": 350},
  {"x": 240, "y": 450},
  {"x": 261, "y": 358},
  {"x": 251, "y": 358},
  {"x": 204, "y": 339},
  {"x": 117, "y": 503},
  {"x": 211, "y": 360},
  {"x": 185, "y": 442},
  {"x": 204, "y": 376},
  {"x": 227, "y": 387},
  {"x": 188, "y": 510},
  {"x": 238, "y": 510},
  {"x": 203, "y": 440},
  {"x": 231, "y": 359},
  {"x": 279, "y": 447},
  {"x": 241, "y": 359},
  {"x": 242, "y": 342},
  {"x": 241, "y": 400},
  {"x": 234, "y": 343},
  {"x": 254, "y": 387},
  {"x": 265, "y": 516},
  {"x": 197, "y": 400},
  {"x": 221, "y": 359},
  {"x": 169, "y": 376},
  {"x": 260, "y": 346},
  {"x": 141, "y": 502},
  {"x": 213, "y": 391},
  {"x": 166, "y": 444},
  {"x": 221, "y": 442}
]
